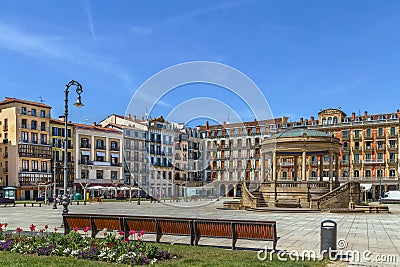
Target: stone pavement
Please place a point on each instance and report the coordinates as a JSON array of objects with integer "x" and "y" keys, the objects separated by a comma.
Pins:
[{"x": 378, "y": 233}]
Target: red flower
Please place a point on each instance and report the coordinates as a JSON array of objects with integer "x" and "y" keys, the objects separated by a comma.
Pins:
[
  {"x": 19, "y": 230},
  {"x": 5, "y": 225},
  {"x": 46, "y": 226},
  {"x": 76, "y": 229},
  {"x": 138, "y": 239},
  {"x": 86, "y": 229},
  {"x": 41, "y": 231},
  {"x": 105, "y": 234},
  {"x": 55, "y": 229},
  {"x": 32, "y": 227},
  {"x": 141, "y": 232},
  {"x": 1, "y": 225},
  {"x": 132, "y": 232},
  {"x": 121, "y": 232}
]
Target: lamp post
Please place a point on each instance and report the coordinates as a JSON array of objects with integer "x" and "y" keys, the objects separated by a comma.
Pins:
[
  {"x": 55, "y": 183},
  {"x": 78, "y": 104}
]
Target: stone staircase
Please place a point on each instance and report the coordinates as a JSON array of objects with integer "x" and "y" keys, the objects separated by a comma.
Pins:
[
  {"x": 344, "y": 196},
  {"x": 252, "y": 198}
]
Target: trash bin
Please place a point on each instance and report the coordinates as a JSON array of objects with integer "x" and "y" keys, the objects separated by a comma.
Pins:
[
  {"x": 328, "y": 237},
  {"x": 77, "y": 196}
]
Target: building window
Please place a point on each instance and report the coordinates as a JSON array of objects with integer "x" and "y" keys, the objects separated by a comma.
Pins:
[
  {"x": 24, "y": 124},
  {"x": 368, "y": 133},
  {"x": 356, "y": 158},
  {"x": 84, "y": 174},
  {"x": 380, "y": 117},
  {"x": 380, "y": 155},
  {"x": 392, "y": 131},
  {"x": 34, "y": 138},
  {"x": 114, "y": 145},
  {"x": 35, "y": 165},
  {"x": 25, "y": 165},
  {"x": 99, "y": 174},
  {"x": 380, "y": 132},
  {"x": 24, "y": 137},
  {"x": 114, "y": 175},
  {"x": 323, "y": 121},
  {"x": 335, "y": 120},
  {"x": 379, "y": 173},
  {"x": 392, "y": 157},
  {"x": 43, "y": 139},
  {"x": 33, "y": 112},
  {"x": 100, "y": 144},
  {"x": 392, "y": 173},
  {"x": 23, "y": 110},
  {"x": 44, "y": 166},
  {"x": 33, "y": 125},
  {"x": 357, "y": 133},
  {"x": 345, "y": 134},
  {"x": 367, "y": 173},
  {"x": 43, "y": 126},
  {"x": 356, "y": 173},
  {"x": 85, "y": 143},
  {"x": 43, "y": 114}
]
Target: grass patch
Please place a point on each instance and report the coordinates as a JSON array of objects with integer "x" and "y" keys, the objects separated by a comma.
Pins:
[{"x": 187, "y": 256}]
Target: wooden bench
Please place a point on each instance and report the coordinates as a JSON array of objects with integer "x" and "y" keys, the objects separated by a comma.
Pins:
[
  {"x": 7, "y": 201},
  {"x": 373, "y": 208},
  {"x": 194, "y": 228},
  {"x": 287, "y": 203}
]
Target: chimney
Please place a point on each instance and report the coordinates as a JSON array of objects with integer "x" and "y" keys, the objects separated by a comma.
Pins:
[
  {"x": 312, "y": 119},
  {"x": 134, "y": 117},
  {"x": 93, "y": 123},
  {"x": 142, "y": 118},
  {"x": 129, "y": 116},
  {"x": 353, "y": 116},
  {"x": 301, "y": 121},
  {"x": 61, "y": 118},
  {"x": 365, "y": 114}
]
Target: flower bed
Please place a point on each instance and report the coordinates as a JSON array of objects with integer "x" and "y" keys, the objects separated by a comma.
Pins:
[{"x": 113, "y": 248}]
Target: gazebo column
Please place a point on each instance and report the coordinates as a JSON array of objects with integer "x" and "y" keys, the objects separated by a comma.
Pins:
[
  {"x": 303, "y": 166},
  {"x": 295, "y": 161},
  {"x": 331, "y": 169},
  {"x": 274, "y": 163},
  {"x": 262, "y": 167},
  {"x": 337, "y": 167},
  {"x": 321, "y": 168}
]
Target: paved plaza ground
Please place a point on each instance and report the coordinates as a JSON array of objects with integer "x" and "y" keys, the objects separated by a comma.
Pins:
[{"x": 378, "y": 233}]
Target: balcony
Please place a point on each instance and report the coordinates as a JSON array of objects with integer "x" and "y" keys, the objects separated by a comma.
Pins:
[
  {"x": 34, "y": 151},
  {"x": 373, "y": 161},
  {"x": 368, "y": 148},
  {"x": 116, "y": 148},
  {"x": 380, "y": 147},
  {"x": 31, "y": 178},
  {"x": 101, "y": 147},
  {"x": 344, "y": 138},
  {"x": 392, "y": 135},
  {"x": 286, "y": 164},
  {"x": 355, "y": 162},
  {"x": 357, "y": 137},
  {"x": 85, "y": 146},
  {"x": 392, "y": 161},
  {"x": 34, "y": 142},
  {"x": 99, "y": 163},
  {"x": 345, "y": 162},
  {"x": 392, "y": 147},
  {"x": 356, "y": 148}
]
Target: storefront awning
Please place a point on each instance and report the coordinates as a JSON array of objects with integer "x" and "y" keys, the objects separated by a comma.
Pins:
[
  {"x": 366, "y": 187},
  {"x": 100, "y": 154},
  {"x": 85, "y": 153},
  {"x": 114, "y": 155}
]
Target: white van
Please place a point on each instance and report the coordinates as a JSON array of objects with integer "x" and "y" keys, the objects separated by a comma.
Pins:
[{"x": 391, "y": 196}]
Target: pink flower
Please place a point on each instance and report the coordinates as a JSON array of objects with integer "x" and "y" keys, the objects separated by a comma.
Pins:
[
  {"x": 76, "y": 229},
  {"x": 32, "y": 227},
  {"x": 86, "y": 229},
  {"x": 139, "y": 235},
  {"x": 132, "y": 232},
  {"x": 121, "y": 232},
  {"x": 19, "y": 230},
  {"x": 105, "y": 234},
  {"x": 138, "y": 239},
  {"x": 141, "y": 232}
]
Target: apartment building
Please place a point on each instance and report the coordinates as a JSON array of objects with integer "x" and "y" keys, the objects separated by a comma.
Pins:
[
  {"x": 134, "y": 132},
  {"x": 57, "y": 137},
  {"x": 98, "y": 156},
  {"x": 232, "y": 151},
  {"x": 187, "y": 154},
  {"x": 25, "y": 148}
]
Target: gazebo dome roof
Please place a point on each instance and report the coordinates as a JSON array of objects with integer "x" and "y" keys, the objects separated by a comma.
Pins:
[{"x": 302, "y": 131}]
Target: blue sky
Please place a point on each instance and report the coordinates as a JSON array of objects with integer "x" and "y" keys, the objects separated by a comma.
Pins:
[{"x": 303, "y": 55}]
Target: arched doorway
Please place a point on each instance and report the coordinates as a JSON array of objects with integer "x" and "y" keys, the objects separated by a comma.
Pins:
[
  {"x": 230, "y": 191},
  {"x": 222, "y": 190}
]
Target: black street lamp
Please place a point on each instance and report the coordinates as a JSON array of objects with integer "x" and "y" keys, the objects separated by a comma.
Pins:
[{"x": 78, "y": 104}]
